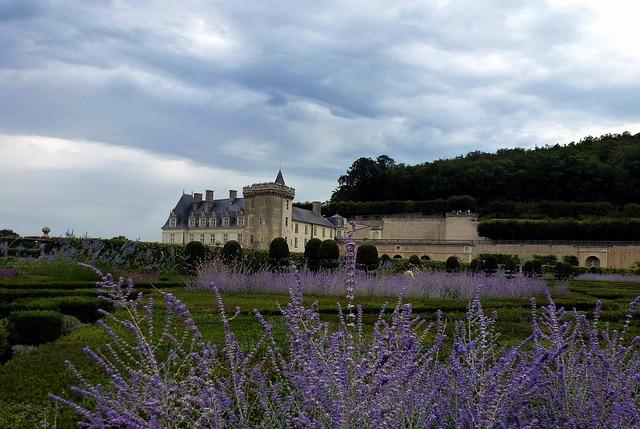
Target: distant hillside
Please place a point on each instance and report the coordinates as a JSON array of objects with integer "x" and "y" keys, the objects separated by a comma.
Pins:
[{"x": 605, "y": 169}]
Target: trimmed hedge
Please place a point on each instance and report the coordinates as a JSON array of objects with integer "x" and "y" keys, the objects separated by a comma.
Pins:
[
  {"x": 367, "y": 257},
  {"x": 5, "y": 346},
  {"x": 10, "y": 295},
  {"x": 561, "y": 229},
  {"x": 279, "y": 252},
  {"x": 84, "y": 309},
  {"x": 34, "y": 327}
]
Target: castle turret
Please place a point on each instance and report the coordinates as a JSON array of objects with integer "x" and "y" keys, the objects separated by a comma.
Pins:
[{"x": 268, "y": 208}]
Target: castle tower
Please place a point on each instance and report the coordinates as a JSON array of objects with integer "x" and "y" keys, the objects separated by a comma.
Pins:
[{"x": 268, "y": 209}]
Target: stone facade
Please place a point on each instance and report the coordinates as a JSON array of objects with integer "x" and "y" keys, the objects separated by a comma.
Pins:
[{"x": 264, "y": 212}]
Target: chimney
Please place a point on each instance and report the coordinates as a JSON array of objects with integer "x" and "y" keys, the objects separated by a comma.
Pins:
[
  {"x": 317, "y": 208},
  {"x": 209, "y": 196},
  {"x": 233, "y": 195},
  {"x": 197, "y": 197}
]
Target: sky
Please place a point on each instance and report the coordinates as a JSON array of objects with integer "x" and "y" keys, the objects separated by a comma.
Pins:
[{"x": 109, "y": 110}]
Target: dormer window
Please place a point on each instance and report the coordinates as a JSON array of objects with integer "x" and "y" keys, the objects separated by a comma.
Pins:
[
  {"x": 225, "y": 221},
  {"x": 203, "y": 222},
  {"x": 173, "y": 222},
  {"x": 192, "y": 222},
  {"x": 212, "y": 221},
  {"x": 241, "y": 221}
]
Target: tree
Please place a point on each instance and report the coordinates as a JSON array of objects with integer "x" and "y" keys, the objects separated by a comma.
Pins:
[
  {"x": 279, "y": 252},
  {"x": 312, "y": 253},
  {"x": 329, "y": 254},
  {"x": 7, "y": 233},
  {"x": 452, "y": 264},
  {"x": 571, "y": 260},
  {"x": 414, "y": 260},
  {"x": 194, "y": 254},
  {"x": 231, "y": 251},
  {"x": 461, "y": 202},
  {"x": 490, "y": 265},
  {"x": 367, "y": 257}
]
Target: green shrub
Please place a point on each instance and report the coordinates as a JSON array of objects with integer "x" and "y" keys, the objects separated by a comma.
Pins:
[
  {"x": 490, "y": 265},
  {"x": 546, "y": 260},
  {"x": 571, "y": 260},
  {"x": 452, "y": 264},
  {"x": 312, "y": 253},
  {"x": 414, "y": 260},
  {"x": 194, "y": 254},
  {"x": 631, "y": 210},
  {"x": 562, "y": 271},
  {"x": 461, "y": 202},
  {"x": 84, "y": 309},
  {"x": 279, "y": 252},
  {"x": 5, "y": 347},
  {"x": 385, "y": 258},
  {"x": 475, "y": 265},
  {"x": 34, "y": 327},
  {"x": 367, "y": 257},
  {"x": 231, "y": 251},
  {"x": 329, "y": 254},
  {"x": 70, "y": 324},
  {"x": 434, "y": 265}
]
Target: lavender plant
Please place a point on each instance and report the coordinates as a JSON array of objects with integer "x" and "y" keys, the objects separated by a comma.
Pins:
[{"x": 623, "y": 278}]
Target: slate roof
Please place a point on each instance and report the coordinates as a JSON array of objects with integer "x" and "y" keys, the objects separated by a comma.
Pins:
[
  {"x": 304, "y": 215},
  {"x": 218, "y": 208},
  {"x": 337, "y": 220},
  {"x": 279, "y": 178}
]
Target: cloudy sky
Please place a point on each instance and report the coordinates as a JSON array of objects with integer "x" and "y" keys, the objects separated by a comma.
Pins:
[{"x": 109, "y": 109}]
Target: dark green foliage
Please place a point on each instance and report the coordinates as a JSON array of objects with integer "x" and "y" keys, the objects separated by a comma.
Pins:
[
  {"x": 461, "y": 202},
  {"x": 414, "y": 260},
  {"x": 367, "y": 257},
  {"x": 194, "y": 254},
  {"x": 571, "y": 260},
  {"x": 231, "y": 251},
  {"x": 503, "y": 260},
  {"x": 385, "y": 258},
  {"x": 279, "y": 252},
  {"x": 475, "y": 265},
  {"x": 594, "y": 169},
  {"x": 5, "y": 347},
  {"x": 631, "y": 210},
  {"x": 84, "y": 309},
  {"x": 562, "y": 271},
  {"x": 545, "y": 259},
  {"x": 312, "y": 253},
  {"x": 452, "y": 264},
  {"x": 329, "y": 254},
  {"x": 34, "y": 327},
  {"x": 561, "y": 229},
  {"x": 548, "y": 209},
  {"x": 353, "y": 208},
  {"x": 8, "y": 233},
  {"x": 490, "y": 264}
]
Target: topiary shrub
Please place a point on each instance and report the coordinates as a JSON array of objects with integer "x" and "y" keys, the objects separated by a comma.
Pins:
[
  {"x": 532, "y": 268},
  {"x": 84, "y": 309},
  {"x": 562, "y": 271},
  {"x": 279, "y": 252},
  {"x": 414, "y": 260},
  {"x": 475, "y": 265},
  {"x": 5, "y": 347},
  {"x": 329, "y": 254},
  {"x": 231, "y": 251},
  {"x": 34, "y": 327},
  {"x": 367, "y": 257},
  {"x": 452, "y": 264},
  {"x": 385, "y": 259},
  {"x": 194, "y": 254},
  {"x": 312, "y": 253},
  {"x": 490, "y": 265},
  {"x": 571, "y": 260}
]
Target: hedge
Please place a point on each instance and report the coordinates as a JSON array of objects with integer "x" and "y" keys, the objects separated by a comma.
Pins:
[
  {"x": 5, "y": 346},
  {"x": 9, "y": 295},
  {"x": 84, "y": 309},
  {"x": 561, "y": 229},
  {"x": 34, "y": 327}
]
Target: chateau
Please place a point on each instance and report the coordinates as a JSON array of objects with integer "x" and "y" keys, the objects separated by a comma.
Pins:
[{"x": 264, "y": 212}]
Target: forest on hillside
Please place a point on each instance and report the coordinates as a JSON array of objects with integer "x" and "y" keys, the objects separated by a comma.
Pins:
[{"x": 595, "y": 169}]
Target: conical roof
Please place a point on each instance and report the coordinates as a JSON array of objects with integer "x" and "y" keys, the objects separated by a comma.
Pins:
[{"x": 279, "y": 178}]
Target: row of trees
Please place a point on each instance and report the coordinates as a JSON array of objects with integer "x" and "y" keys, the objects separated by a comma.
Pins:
[
  {"x": 606, "y": 169},
  {"x": 561, "y": 229}
]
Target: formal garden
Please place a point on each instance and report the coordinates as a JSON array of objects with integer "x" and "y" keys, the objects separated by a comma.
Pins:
[{"x": 189, "y": 336}]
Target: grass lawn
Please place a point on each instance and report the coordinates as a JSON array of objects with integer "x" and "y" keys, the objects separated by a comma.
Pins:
[{"x": 28, "y": 377}]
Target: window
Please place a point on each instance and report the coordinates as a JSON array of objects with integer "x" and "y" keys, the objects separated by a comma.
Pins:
[
  {"x": 306, "y": 229},
  {"x": 240, "y": 238},
  {"x": 241, "y": 221},
  {"x": 323, "y": 232},
  {"x": 315, "y": 231},
  {"x": 203, "y": 222},
  {"x": 305, "y": 242},
  {"x": 212, "y": 239},
  {"x": 172, "y": 222},
  {"x": 287, "y": 204},
  {"x": 190, "y": 237},
  {"x": 260, "y": 222},
  {"x": 295, "y": 242},
  {"x": 286, "y": 221},
  {"x": 172, "y": 238},
  {"x": 251, "y": 239},
  {"x": 201, "y": 238},
  {"x": 225, "y": 221},
  {"x": 212, "y": 221},
  {"x": 192, "y": 222},
  {"x": 330, "y": 233},
  {"x": 295, "y": 225},
  {"x": 225, "y": 237}
]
